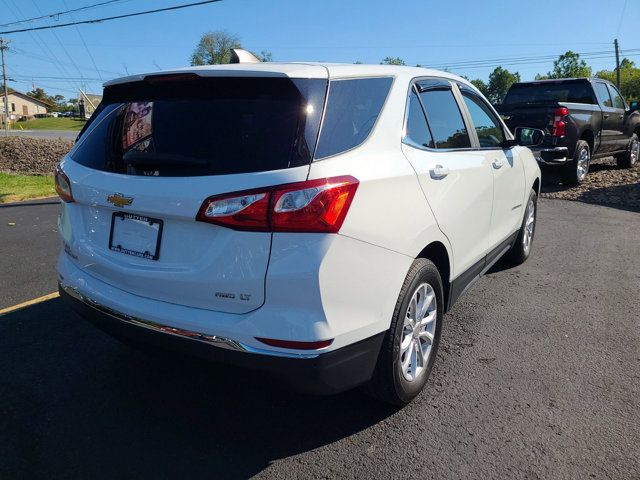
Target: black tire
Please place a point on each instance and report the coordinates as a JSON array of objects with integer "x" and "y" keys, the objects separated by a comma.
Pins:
[
  {"x": 569, "y": 173},
  {"x": 519, "y": 253},
  {"x": 630, "y": 158},
  {"x": 388, "y": 383}
]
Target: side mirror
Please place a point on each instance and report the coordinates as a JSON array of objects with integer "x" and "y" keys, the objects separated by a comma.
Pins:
[
  {"x": 529, "y": 137},
  {"x": 634, "y": 106}
]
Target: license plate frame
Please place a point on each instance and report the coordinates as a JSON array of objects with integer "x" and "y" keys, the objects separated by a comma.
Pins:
[{"x": 155, "y": 223}]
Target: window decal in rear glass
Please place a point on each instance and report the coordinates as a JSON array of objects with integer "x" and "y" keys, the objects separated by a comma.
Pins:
[{"x": 137, "y": 123}]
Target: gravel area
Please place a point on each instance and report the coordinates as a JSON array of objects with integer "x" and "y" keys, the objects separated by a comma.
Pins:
[
  {"x": 606, "y": 184},
  {"x": 31, "y": 156}
]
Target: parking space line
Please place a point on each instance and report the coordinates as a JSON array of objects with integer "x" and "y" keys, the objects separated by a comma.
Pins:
[{"x": 44, "y": 298}]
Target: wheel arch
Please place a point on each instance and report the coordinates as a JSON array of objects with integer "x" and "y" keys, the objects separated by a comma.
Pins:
[
  {"x": 437, "y": 252},
  {"x": 536, "y": 186},
  {"x": 588, "y": 136}
]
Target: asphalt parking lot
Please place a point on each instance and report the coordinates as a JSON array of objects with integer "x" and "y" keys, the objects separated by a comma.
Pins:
[{"x": 538, "y": 376}]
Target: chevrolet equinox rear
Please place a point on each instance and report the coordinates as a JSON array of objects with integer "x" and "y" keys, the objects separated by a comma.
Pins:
[{"x": 307, "y": 220}]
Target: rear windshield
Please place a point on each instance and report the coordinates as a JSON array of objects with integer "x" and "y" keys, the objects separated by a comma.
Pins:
[
  {"x": 573, "y": 92},
  {"x": 203, "y": 126}
]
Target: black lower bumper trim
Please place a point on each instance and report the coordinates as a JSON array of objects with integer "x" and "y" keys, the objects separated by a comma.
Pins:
[{"x": 328, "y": 373}]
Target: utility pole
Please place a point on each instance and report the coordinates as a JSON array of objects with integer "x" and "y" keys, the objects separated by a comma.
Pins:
[
  {"x": 615, "y": 44},
  {"x": 4, "y": 45}
]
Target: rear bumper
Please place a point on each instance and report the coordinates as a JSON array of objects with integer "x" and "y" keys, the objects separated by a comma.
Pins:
[
  {"x": 323, "y": 373},
  {"x": 551, "y": 155}
]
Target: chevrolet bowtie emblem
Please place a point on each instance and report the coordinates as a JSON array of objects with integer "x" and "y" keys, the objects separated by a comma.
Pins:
[{"x": 119, "y": 200}]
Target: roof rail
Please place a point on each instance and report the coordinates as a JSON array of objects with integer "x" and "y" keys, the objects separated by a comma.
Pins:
[{"x": 239, "y": 55}]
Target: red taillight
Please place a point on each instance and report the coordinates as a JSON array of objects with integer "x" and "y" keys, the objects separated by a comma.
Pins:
[
  {"x": 559, "y": 127},
  {"x": 63, "y": 186},
  {"x": 313, "y": 206},
  {"x": 248, "y": 210},
  {"x": 295, "y": 344}
]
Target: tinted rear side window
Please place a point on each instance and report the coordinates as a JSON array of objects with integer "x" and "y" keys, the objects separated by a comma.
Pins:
[
  {"x": 417, "y": 132},
  {"x": 204, "y": 126},
  {"x": 352, "y": 109},
  {"x": 603, "y": 94},
  {"x": 445, "y": 119},
  {"x": 572, "y": 91}
]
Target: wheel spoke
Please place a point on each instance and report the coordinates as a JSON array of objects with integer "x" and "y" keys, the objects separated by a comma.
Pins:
[
  {"x": 429, "y": 318},
  {"x": 407, "y": 359},
  {"x": 419, "y": 356},
  {"x": 406, "y": 343},
  {"x": 426, "y": 335}
]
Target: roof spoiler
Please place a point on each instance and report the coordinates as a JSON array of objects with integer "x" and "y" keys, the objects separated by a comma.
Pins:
[{"x": 239, "y": 55}]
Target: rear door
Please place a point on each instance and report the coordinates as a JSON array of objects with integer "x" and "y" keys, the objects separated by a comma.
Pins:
[
  {"x": 456, "y": 179},
  {"x": 155, "y": 152},
  {"x": 506, "y": 166},
  {"x": 610, "y": 130}
]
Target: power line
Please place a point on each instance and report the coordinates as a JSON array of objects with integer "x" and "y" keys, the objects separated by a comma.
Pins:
[
  {"x": 624, "y": 7},
  {"x": 115, "y": 17},
  {"x": 524, "y": 60},
  {"x": 95, "y": 65},
  {"x": 44, "y": 47},
  {"x": 57, "y": 14}
]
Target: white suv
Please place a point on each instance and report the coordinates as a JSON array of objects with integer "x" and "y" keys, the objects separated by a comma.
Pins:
[{"x": 312, "y": 220}]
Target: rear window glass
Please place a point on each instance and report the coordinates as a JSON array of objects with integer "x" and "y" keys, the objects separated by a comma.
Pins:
[
  {"x": 204, "y": 126},
  {"x": 352, "y": 109},
  {"x": 572, "y": 92}
]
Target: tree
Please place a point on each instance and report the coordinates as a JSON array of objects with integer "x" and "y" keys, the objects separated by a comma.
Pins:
[
  {"x": 499, "y": 82},
  {"x": 629, "y": 79},
  {"x": 264, "y": 56},
  {"x": 480, "y": 85},
  {"x": 568, "y": 65},
  {"x": 215, "y": 48},
  {"x": 392, "y": 61}
]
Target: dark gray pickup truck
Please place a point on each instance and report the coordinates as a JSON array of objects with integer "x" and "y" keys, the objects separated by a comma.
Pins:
[{"x": 583, "y": 118}]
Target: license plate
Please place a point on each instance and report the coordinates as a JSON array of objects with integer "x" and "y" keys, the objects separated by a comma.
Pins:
[{"x": 135, "y": 235}]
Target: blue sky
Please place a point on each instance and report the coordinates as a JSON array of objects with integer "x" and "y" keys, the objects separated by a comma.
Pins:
[{"x": 431, "y": 33}]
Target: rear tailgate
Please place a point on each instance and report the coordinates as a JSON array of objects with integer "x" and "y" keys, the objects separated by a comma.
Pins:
[
  {"x": 141, "y": 172},
  {"x": 528, "y": 115}
]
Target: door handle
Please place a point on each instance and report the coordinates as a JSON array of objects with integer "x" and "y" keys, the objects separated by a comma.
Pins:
[
  {"x": 621, "y": 116},
  {"x": 605, "y": 115},
  {"x": 438, "y": 172},
  {"x": 497, "y": 164}
]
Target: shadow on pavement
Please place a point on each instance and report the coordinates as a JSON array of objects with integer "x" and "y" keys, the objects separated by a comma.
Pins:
[{"x": 76, "y": 403}]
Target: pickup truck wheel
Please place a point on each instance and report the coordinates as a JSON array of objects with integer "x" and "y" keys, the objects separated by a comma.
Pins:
[
  {"x": 575, "y": 171},
  {"x": 410, "y": 345},
  {"x": 630, "y": 157},
  {"x": 521, "y": 249}
]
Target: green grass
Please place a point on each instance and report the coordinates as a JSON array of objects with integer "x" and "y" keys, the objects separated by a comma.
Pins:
[
  {"x": 14, "y": 188},
  {"x": 50, "y": 124}
]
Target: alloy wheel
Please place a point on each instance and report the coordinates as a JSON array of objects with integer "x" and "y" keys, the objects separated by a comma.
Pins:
[
  {"x": 529, "y": 225},
  {"x": 635, "y": 151},
  {"x": 418, "y": 332},
  {"x": 583, "y": 164}
]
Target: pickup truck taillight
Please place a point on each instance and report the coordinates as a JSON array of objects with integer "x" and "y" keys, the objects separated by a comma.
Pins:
[
  {"x": 318, "y": 206},
  {"x": 559, "y": 127}
]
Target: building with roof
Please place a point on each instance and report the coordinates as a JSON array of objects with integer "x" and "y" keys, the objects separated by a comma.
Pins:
[{"x": 23, "y": 106}]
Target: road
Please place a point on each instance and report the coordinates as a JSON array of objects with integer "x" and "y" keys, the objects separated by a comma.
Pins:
[
  {"x": 67, "y": 134},
  {"x": 538, "y": 377}
]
